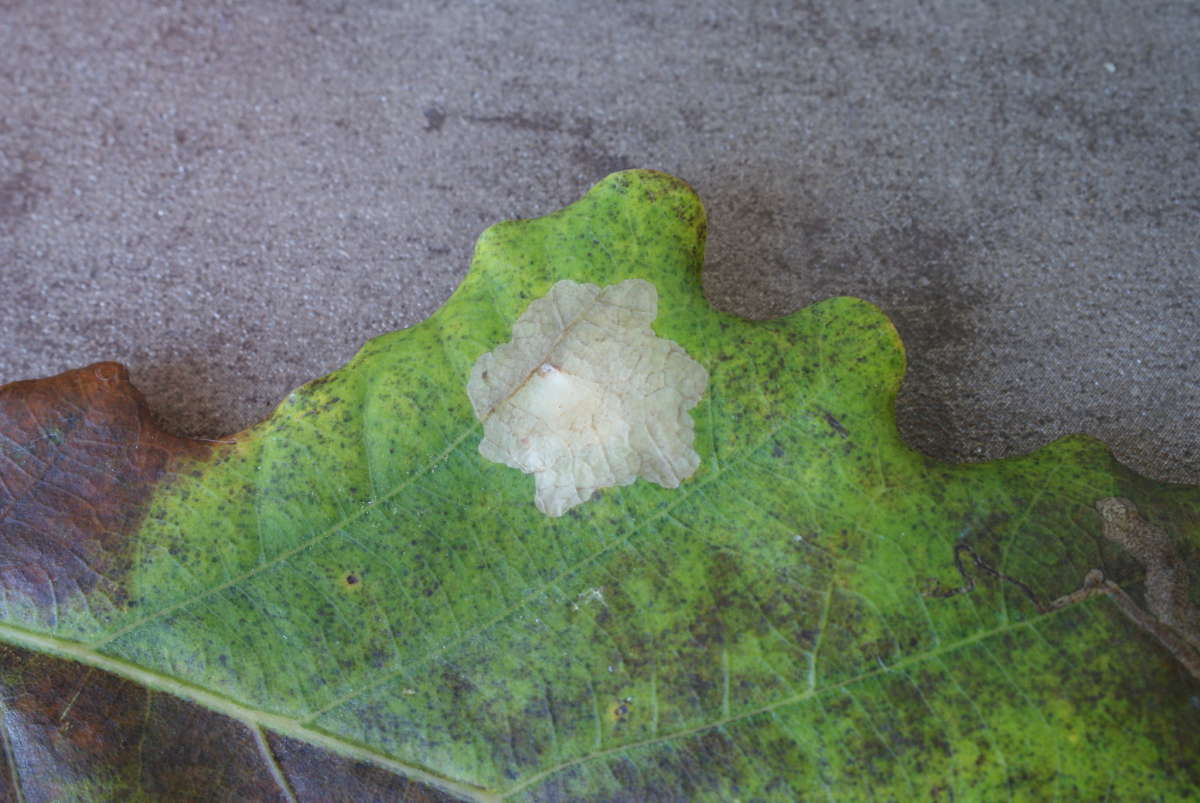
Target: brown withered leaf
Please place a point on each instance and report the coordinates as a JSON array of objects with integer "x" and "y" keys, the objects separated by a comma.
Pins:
[
  {"x": 76, "y": 733},
  {"x": 79, "y": 455}
]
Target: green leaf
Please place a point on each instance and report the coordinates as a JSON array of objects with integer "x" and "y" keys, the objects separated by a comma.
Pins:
[{"x": 817, "y": 611}]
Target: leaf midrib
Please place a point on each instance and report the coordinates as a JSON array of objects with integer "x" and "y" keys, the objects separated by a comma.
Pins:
[
  {"x": 289, "y": 726},
  {"x": 249, "y": 716}
]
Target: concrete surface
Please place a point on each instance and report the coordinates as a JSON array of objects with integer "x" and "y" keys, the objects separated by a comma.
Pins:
[{"x": 231, "y": 196}]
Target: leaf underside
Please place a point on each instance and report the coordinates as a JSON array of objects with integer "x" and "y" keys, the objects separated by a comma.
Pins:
[{"x": 349, "y": 593}]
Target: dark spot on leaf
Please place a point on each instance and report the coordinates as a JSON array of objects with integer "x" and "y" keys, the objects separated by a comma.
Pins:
[{"x": 835, "y": 425}]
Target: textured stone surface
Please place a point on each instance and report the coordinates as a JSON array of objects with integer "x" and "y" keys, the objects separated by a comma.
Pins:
[{"x": 231, "y": 198}]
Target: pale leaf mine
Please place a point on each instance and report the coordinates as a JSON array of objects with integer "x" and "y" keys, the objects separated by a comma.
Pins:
[{"x": 585, "y": 396}]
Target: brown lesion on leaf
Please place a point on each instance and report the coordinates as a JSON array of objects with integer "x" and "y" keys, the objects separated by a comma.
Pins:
[
  {"x": 80, "y": 455},
  {"x": 1170, "y": 616},
  {"x": 70, "y": 726}
]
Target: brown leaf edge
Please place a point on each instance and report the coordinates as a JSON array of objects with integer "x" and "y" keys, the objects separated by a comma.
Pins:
[
  {"x": 71, "y": 732},
  {"x": 80, "y": 454}
]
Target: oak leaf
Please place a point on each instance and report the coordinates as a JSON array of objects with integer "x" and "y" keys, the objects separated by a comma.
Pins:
[{"x": 355, "y": 602}]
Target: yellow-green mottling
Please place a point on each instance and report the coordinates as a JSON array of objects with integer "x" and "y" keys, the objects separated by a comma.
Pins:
[{"x": 763, "y": 632}]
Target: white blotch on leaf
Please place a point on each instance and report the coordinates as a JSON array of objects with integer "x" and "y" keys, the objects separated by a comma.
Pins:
[{"x": 585, "y": 396}]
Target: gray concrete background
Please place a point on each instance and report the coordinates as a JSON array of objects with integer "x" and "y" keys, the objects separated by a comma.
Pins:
[{"x": 231, "y": 197}]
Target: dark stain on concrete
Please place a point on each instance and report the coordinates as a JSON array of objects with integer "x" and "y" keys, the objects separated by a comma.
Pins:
[
  {"x": 435, "y": 118},
  {"x": 19, "y": 196},
  {"x": 580, "y": 146}
]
